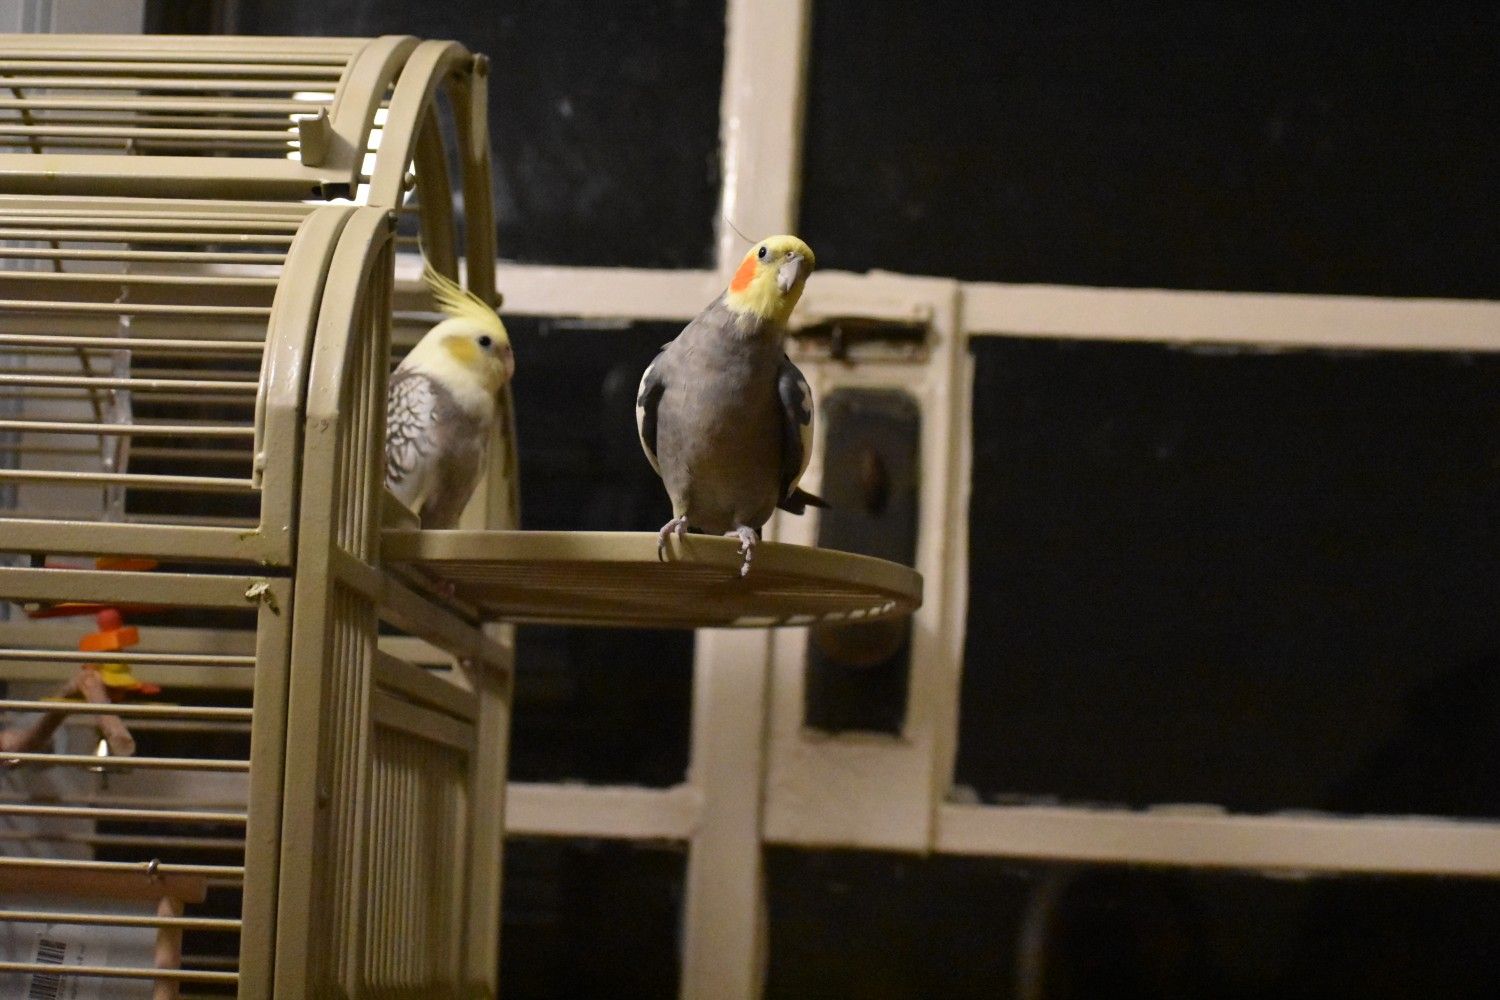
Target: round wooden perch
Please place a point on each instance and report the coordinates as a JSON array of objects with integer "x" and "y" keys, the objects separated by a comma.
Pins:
[{"x": 615, "y": 579}]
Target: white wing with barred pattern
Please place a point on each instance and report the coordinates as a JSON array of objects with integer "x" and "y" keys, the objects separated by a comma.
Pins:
[{"x": 410, "y": 441}]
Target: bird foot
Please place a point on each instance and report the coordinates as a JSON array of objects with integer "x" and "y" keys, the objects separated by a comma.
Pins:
[
  {"x": 748, "y": 537},
  {"x": 677, "y": 526}
]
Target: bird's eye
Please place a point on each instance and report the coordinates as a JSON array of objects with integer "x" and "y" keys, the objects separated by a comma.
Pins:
[
  {"x": 486, "y": 341},
  {"x": 761, "y": 253}
]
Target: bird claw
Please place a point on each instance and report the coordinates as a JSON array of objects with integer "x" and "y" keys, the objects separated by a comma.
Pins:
[
  {"x": 677, "y": 526},
  {"x": 748, "y": 538}
]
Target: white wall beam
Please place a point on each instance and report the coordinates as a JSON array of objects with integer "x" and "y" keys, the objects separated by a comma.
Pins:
[
  {"x": 724, "y": 909},
  {"x": 605, "y": 293},
  {"x": 724, "y": 922},
  {"x": 760, "y": 121},
  {"x": 1195, "y": 838},
  {"x": 611, "y": 812},
  {"x": 1180, "y": 837},
  {"x": 1324, "y": 321},
  {"x": 991, "y": 309}
]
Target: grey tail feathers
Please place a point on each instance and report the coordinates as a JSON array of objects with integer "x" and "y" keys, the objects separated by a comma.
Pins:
[{"x": 799, "y": 500}]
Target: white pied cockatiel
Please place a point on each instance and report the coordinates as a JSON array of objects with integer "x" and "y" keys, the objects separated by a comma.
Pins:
[
  {"x": 442, "y": 403},
  {"x": 723, "y": 414}
]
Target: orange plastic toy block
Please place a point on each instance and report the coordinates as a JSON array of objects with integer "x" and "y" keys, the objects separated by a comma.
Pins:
[{"x": 113, "y": 634}]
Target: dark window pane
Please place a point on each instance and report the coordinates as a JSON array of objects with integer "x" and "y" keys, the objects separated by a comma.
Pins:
[
  {"x": 590, "y": 919},
  {"x": 1264, "y": 580},
  {"x": 202, "y": 17},
  {"x": 1322, "y": 148},
  {"x": 857, "y": 675},
  {"x": 604, "y": 117},
  {"x": 602, "y": 705},
  {"x": 888, "y": 927}
]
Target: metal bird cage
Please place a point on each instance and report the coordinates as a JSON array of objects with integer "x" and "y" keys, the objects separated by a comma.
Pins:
[{"x": 297, "y": 787}]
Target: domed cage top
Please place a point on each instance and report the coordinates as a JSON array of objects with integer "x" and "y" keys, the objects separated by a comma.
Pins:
[
  {"x": 288, "y": 122},
  {"x": 269, "y": 119}
]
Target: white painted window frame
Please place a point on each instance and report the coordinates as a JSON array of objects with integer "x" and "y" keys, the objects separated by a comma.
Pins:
[{"x": 756, "y": 776}]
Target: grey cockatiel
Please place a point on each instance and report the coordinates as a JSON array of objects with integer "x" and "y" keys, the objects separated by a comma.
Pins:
[
  {"x": 442, "y": 404},
  {"x": 724, "y": 416}
]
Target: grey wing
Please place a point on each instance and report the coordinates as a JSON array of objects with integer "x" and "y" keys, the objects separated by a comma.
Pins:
[
  {"x": 410, "y": 416},
  {"x": 647, "y": 399},
  {"x": 796, "y": 424},
  {"x": 455, "y": 478}
]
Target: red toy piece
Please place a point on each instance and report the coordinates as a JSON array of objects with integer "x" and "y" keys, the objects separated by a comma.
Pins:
[{"x": 113, "y": 636}]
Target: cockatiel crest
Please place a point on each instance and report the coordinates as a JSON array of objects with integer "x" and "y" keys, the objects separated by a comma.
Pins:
[
  {"x": 442, "y": 403},
  {"x": 471, "y": 347}
]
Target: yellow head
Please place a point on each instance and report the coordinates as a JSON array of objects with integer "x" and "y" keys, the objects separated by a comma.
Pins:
[
  {"x": 770, "y": 278},
  {"x": 469, "y": 351}
]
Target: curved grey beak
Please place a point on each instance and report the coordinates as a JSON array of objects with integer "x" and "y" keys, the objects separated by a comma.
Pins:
[{"x": 788, "y": 274}]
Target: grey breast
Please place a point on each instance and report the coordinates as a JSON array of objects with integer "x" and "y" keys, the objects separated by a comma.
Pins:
[
  {"x": 461, "y": 445},
  {"x": 719, "y": 422}
]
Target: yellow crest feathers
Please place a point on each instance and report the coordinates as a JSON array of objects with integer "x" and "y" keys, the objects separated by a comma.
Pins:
[{"x": 460, "y": 303}]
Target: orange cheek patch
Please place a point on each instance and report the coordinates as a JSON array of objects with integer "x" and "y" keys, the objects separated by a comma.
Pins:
[{"x": 743, "y": 276}]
